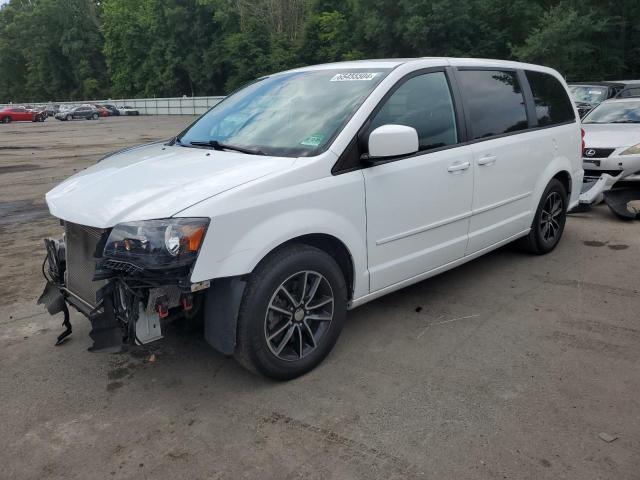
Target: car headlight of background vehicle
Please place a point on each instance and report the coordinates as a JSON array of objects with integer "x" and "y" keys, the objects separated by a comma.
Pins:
[
  {"x": 635, "y": 150},
  {"x": 157, "y": 244}
]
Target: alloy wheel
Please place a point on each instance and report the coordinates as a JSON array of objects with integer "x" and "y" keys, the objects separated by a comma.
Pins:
[
  {"x": 550, "y": 217},
  {"x": 298, "y": 316}
]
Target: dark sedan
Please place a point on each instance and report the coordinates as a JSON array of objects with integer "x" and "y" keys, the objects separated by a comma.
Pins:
[{"x": 85, "y": 111}]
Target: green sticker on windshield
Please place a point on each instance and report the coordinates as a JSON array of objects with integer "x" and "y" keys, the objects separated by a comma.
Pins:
[{"x": 313, "y": 140}]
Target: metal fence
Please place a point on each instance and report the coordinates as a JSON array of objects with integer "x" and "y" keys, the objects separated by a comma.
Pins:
[{"x": 150, "y": 106}]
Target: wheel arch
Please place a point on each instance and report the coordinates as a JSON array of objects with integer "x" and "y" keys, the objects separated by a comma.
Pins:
[
  {"x": 559, "y": 168},
  {"x": 329, "y": 244},
  {"x": 224, "y": 297},
  {"x": 565, "y": 179}
]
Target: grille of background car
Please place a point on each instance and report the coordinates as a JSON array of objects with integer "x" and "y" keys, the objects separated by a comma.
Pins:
[{"x": 599, "y": 152}]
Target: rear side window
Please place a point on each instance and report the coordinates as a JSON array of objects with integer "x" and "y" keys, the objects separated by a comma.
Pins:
[
  {"x": 630, "y": 92},
  {"x": 553, "y": 105},
  {"x": 423, "y": 102},
  {"x": 494, "y": 101}
]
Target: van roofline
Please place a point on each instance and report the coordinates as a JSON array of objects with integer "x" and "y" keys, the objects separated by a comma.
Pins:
[{"x": 392, "y": 63}]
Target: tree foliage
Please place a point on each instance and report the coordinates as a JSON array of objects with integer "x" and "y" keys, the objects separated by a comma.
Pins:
[
  {"x": 76, "y": 49},
  {"x": 51, "y": 49}
]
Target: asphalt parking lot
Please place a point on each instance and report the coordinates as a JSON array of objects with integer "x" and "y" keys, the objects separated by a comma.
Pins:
[{"x": 508, "y": 367}]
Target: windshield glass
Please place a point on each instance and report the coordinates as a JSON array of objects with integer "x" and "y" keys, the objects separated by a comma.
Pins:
[
  {"x": 614, "y": 112},
  {"x": 588, "y": 93},
  {"x": 293, "y": 114}
]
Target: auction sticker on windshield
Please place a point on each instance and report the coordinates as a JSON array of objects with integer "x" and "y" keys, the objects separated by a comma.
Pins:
[
  {"x": 354, "y": 76},
  {"x": 313, "y": 140}
]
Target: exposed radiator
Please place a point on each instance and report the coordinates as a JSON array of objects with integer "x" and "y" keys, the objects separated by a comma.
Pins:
[{"x": 81, "y": 244}]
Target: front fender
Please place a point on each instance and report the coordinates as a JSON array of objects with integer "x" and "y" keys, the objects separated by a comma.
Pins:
[{"x": 239, "y": 238}]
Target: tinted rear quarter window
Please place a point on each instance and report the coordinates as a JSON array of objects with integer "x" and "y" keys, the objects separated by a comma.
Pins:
[
  {"x": 553, "y": 105},
  {"x": 494, "y": 101}
]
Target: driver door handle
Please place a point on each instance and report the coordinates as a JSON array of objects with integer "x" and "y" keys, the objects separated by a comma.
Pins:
[{"x": 487, "y": 160}]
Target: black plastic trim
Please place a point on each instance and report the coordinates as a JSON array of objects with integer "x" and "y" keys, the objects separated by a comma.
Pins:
[
  {"x": 456, "y": 93},
  {"x": 529, "y": 102},
  {"x": 221, "y": 307}
]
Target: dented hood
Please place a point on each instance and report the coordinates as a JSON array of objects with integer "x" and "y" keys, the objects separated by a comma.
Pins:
[
  {"x": 154, "y": 181},
  {"x": 611, "y": 135}
]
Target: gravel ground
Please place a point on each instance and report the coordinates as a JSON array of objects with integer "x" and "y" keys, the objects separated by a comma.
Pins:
[{"x": 508, "y": 367}]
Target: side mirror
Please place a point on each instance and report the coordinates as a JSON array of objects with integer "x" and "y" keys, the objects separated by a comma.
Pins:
[{"x": 392, "y": 141}]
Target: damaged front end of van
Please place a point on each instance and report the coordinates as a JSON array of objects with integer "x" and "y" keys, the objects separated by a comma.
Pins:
[
  {"x": 128, "y": 250},
  {"x": 124, "y": 279}
]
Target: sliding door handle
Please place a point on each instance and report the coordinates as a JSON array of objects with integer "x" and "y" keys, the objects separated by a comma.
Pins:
[
  {"x": 458, "y": 167},
  {"x": 487, "y": 160}
]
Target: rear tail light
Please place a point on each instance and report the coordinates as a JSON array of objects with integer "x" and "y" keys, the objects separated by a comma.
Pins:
[{"x": 582, "y": 145}]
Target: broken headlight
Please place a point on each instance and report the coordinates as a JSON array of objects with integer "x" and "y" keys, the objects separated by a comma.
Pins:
[{"x": 157, "y": 244}]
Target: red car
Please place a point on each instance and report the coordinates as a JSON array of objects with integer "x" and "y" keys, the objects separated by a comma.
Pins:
[
  {"x": 16, "y": 114},
  {"x": 102, "y": 111}
]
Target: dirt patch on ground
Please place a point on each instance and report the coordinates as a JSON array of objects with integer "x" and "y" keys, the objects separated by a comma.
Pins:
[{"x": 24, "y": 167}]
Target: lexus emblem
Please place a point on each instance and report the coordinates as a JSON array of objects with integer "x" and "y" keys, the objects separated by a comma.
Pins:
[{"x": 590, "y": 153}]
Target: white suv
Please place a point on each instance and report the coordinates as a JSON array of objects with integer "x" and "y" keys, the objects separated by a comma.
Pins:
[{"x": 311, "y": 192}]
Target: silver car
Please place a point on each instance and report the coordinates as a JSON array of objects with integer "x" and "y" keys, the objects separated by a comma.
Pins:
[{"x": 612, "y": 139}]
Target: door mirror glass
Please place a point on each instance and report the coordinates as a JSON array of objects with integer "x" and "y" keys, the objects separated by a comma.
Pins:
[{"x": 392, "y": 141}]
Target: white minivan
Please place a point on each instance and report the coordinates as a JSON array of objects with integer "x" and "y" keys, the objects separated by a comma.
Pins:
[{"x": 311, "y": 192}]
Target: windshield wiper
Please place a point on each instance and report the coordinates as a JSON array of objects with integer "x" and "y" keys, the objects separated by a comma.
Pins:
[
  {"x": 216, "y": 145},
  {"x": 625, "y": 121}
]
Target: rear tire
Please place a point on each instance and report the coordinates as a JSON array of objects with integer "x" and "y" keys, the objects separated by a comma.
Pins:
[
  {"x": 69, "y": 118},
  {"x": 292, "y": 312},
  {"x": 94, "y": 116},
  {"x": 549, "y": 220},
  {"x": 7, "y": 119}
]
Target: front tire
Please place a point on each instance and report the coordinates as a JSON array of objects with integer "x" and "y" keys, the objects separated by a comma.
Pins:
[
  {"x": 94, "y": 116},
  {"x": 292, "y": 312},
  {"x": 69, "y": 118},
  {"x": 548, "y": 224},
  {"x": 7, "y": 119}
]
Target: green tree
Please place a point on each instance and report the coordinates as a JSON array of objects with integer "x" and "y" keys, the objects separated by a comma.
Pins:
[
  {"x": 574, "y": 42},
  {"x": 51, "y": 50},
  {"x": 13, "y": 64},
  {"x": 73, "y": 49}
]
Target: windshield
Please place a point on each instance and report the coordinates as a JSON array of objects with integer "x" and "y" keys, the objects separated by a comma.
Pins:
[
  {"x": 614, "y": 112},
  {"x": 293, "y": 114},
  {"x": 588, "y": 93}
]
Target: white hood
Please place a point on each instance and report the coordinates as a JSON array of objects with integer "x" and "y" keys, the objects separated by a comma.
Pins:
[
  {"x": 611, "y": 135},
  {"x": 154, "y": 181}
]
